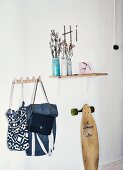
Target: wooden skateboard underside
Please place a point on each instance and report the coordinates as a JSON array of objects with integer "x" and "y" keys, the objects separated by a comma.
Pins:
[{"x": 89, "y": 140}]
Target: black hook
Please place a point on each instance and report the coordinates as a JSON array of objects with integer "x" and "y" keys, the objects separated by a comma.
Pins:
[{"x": 115, "y": 47}]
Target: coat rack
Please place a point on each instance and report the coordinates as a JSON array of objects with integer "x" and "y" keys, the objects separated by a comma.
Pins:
[{"x": 27, "y": 80}]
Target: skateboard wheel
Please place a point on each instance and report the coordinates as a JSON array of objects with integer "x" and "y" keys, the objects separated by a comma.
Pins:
[
  {"x": 74, "y": 112},
  {"x": 92, "y": 109}
]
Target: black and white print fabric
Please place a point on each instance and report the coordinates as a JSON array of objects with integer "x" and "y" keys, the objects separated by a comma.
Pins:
[{"x": 17, "y": 136}]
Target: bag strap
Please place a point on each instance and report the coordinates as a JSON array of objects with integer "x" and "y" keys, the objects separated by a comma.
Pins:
[
  {"x": 35, "y": 91},
  {"x": 43, "y": 89},
  {"x": 11, "y": 95},
  {"x": 32, "y": 98},
  {"x": 22, "y": 95}
]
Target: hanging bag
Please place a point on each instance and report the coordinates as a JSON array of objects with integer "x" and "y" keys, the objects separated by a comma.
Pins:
[
  {"x": 17, "y": 135},
  {"x": 41, "y": 122},
  {"x": 41, "y": 125}
]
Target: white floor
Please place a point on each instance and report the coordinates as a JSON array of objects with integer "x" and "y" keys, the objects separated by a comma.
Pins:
[{"x": 118, "y": 165}]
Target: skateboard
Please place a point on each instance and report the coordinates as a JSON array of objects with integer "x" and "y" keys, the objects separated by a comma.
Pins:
[{"x": 89, "y": 137}]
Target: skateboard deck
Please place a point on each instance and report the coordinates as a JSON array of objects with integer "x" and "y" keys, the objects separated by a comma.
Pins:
[{"x": 89, "y": 139}]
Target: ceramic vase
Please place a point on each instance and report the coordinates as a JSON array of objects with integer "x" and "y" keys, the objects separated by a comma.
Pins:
[
  {"x": 69, "y": 67},
  {"x": 64, "y": 67},
  {"x": 55, "y": 66}
]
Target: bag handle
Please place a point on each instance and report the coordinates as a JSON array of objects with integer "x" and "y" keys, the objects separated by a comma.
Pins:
[
  {"x": 22, "y": 94},
  {"x": 35, "y": 92},
  {"x": 12, "y": 93},
  {"x": 43, "y": 89}
]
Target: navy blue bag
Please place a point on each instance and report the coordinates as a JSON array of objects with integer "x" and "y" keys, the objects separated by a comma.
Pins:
[{"x": 41, "y": 143}]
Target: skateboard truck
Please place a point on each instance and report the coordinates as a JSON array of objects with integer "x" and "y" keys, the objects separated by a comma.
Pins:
[{"x": 75, "y": 111}]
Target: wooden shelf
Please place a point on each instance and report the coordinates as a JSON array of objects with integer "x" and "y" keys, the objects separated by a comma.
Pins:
[{"x": 81, "y": 75}]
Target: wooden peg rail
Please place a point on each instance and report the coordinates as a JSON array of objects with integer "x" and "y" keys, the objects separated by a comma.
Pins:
[{"x": 27, "y": 80}]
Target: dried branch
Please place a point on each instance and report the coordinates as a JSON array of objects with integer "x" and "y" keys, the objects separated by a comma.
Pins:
[
  {"x": 67, "y": 50},
  {"x": 55, "y": 44}
]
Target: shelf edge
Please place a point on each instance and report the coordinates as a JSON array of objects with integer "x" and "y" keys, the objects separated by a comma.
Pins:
[{"x": 81, "y": 75}]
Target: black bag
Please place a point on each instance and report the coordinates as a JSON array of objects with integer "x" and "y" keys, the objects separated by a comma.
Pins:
[{"x": 41, "y": 121}]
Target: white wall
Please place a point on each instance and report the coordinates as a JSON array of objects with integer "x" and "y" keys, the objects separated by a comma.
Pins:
[
  {"x": 11, "y": 66},
  {"x": 25, "y": 51}
]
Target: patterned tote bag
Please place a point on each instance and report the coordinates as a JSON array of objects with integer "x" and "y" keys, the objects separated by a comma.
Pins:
[
  {"x": 17, "y": 135},
  {"x": 40, "y": 144}
]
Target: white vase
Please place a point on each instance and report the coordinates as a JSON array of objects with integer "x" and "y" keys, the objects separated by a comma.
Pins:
[
  {"x": 64, "y": 67},
  {"x": 69, "y": 67}
]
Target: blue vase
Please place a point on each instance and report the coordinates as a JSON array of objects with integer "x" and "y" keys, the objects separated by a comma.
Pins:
[{"x": 55, "y": 67}]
